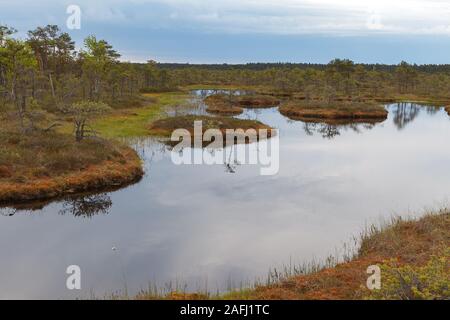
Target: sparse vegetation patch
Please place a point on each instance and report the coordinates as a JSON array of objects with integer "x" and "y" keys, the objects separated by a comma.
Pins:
[{"x": 332, "y": 112}]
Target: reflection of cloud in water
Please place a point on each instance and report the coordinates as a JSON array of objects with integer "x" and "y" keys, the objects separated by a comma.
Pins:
[{"x": 199, "y": 224}]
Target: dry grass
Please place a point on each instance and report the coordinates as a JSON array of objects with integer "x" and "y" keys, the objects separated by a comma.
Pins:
[
  {"x": 226, "y": 105},
  {"x": 132, "y": 102},
  {"x": 220, "y": 104},
  {"x": 411, "y": 242},
  {"x": 317, "y": 111},
  {"x": 165, "y": 127},
  {"x": 257, "y": 101},
  {"x": 45, "y": 165}
]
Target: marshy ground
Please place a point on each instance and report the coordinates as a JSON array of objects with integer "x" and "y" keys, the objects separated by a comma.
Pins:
[
  {"x": 230, "y": 105},
  {"x": 54, "y": 165},
  {"x": 166, "y": 126},
  {"x": 413, "y": 255},
  {"x": 317, "y": 111},
  {"x": 47, "y": 165}
]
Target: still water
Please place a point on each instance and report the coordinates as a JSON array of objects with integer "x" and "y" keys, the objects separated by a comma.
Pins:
[{"x": 209, "y": 227}]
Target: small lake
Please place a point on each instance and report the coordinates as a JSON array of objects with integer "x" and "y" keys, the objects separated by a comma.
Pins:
[{"x": 207, "y": 227}]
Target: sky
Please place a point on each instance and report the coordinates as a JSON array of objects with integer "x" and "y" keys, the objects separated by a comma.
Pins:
[{"x": 241, "y": 31}]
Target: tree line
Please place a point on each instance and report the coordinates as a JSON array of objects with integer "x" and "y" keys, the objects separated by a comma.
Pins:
[{"x": 45, "y": 73}]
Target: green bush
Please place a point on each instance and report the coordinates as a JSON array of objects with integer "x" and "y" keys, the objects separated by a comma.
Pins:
[{"x": 407, "y": 282}]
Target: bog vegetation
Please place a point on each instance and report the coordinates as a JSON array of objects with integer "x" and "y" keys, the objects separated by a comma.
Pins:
[
  {"x": 51, "y": 95},
  {"x": 413, "y": 255},
  {"x": 47, "y": 86},
  {"x": 50, "y": 91}
]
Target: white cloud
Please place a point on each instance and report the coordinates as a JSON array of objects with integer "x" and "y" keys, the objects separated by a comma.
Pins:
[
  {"x": 264, "y": 16},
  {"x": 311, "y": 16}
]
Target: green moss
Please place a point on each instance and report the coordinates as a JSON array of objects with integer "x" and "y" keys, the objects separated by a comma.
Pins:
[
  {"x": 133, "y": 122},
  {"x": 410, "y": 282}
]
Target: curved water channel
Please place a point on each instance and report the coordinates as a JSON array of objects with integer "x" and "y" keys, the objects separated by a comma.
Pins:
[{"x": 210, "y": 227}]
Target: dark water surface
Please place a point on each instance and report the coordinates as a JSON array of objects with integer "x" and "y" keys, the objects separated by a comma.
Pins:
[{"x": 206, "y": 227}]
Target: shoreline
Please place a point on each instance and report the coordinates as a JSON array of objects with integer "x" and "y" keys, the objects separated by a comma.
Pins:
[
  {"x": 96, "y": 177},
  {"x": 334, "y": 113},
  {"x": 415, "y": 247}
]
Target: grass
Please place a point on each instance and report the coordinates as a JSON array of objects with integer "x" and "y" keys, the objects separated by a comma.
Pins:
[
  {"x": 317, "y": 111},
  {"x": 257, "y": 101},
  {"x": 165, "y": 127},
  {"x": 413, "y": 98},
  {"x": 413, "y": 253},
  {"x": 209, "y": 86},
  {"x": 44, "y": 165},
  {"x": 133, "y": 122},
  {"x": 221, "y": 104},
  {"x": 408, "y": 242},
  {"x": 225, "y": 105}
]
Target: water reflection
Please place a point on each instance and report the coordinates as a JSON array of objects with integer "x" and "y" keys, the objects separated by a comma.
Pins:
[
  {"x": 87, "y": 206},
  {"x": 330, "y": 131},
  {"x": 8, "y": 212},
  {"x": 231, "y": 163},
  {"x": 404, "y": 113},
  {"x": 325, "y": 192},
  {"x": 432, "y": 110}
]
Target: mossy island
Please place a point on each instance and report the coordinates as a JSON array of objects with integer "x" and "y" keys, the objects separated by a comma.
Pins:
[
  {"x": 335, "y": 112},
  {"x": 257, "y": 101},
  {"x": 223, "y": 105},
  {"x": 46, "y": 165},
  {"x": 165, "y": 127},
  {"x": 230, "y": 105}
]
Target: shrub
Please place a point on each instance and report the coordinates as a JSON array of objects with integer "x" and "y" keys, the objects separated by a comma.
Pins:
[{"x": 409, "y": 282}]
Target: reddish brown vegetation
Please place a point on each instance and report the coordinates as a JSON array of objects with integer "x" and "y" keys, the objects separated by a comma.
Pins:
[
  {"x": 411, "y": 242},
  {"x": 338, "y": 111},
  {"x": 123, "y": 169},
  {"x": 223, "y": 105},
  {"x": 165, "y": 127},
  {"x": 257, "y": 101},
  {"x": 229, "y": 105}
]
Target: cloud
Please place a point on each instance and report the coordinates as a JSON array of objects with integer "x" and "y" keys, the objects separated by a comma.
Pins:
[
  {"x": 285, "y": 17},
  {"x": 308, "y": 16}
]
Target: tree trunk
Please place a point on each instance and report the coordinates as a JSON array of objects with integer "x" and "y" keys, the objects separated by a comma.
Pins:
[{"x": 51, "y": 86}]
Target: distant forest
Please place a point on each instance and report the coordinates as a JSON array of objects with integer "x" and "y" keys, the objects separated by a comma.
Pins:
[{"x": 289, "y": 65}]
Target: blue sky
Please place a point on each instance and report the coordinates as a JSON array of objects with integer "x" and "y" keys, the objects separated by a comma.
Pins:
[{"x": 239, "y": 31}]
